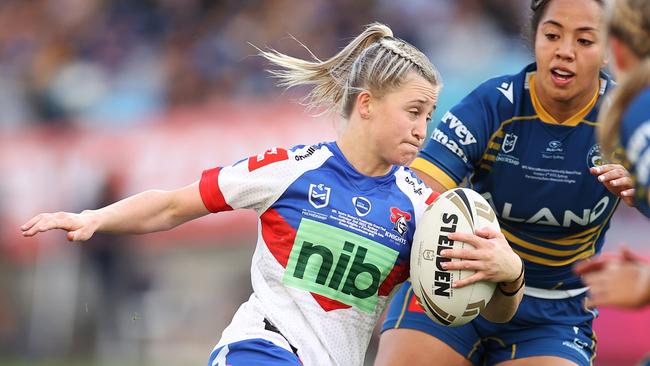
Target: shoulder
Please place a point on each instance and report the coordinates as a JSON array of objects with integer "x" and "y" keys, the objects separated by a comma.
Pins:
[
  {"x": 299, "y": 154},
  {"x": 409, "y": 183},
  {"x": 503, "y": 88}
]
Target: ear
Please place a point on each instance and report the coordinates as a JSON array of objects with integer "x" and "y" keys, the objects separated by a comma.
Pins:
[{"x": 363, "y": 104}]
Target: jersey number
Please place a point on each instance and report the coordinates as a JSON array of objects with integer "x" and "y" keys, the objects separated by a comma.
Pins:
[{"x": 270, "y": 156}]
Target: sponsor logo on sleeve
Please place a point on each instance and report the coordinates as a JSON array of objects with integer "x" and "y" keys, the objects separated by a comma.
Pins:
[
  {"x": 461, "y": 131},
  {"x": 450, "y": 144},
  {"x": 417, "y": 188},
  {"x": 307, "y": 154}
]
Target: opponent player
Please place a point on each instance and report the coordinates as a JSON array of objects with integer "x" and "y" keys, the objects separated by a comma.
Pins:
[
  {"x": 625, "y": 125},
  {"x": 336, "y": 219},
  {"x": 527, "y": 143}
]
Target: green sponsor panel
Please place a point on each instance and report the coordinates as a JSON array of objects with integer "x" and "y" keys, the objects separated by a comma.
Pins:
[{"x": 338, "y": 264}]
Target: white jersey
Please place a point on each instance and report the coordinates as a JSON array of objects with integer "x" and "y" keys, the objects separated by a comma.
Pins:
[{"x": 332, "y": 245}]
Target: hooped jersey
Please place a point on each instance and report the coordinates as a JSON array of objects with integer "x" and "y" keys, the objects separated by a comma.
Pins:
[
  {"x": 635, "y": 141},
  {"x": 332, "y": 245},
  {"x": 533, "y": 170}
]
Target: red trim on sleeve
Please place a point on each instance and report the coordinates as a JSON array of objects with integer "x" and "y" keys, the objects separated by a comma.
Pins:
[
  {"x": 211, "y": 193},
  {"x": 432, "y": 197}
]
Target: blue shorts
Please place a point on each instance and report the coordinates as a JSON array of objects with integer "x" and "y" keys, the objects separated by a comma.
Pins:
[
  {"x": 253, "y": 352},
  {"x": 540, "y": 327}
]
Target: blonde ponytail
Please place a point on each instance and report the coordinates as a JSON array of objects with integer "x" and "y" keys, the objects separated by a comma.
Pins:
[
  {"x": 374, "y": 61},
  {"x": 612, "y": 113}
]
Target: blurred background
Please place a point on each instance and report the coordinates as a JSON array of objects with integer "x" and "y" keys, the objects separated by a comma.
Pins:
[{"x": 100, "y": 99}]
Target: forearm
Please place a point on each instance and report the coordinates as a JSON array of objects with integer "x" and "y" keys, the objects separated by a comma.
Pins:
[
  {"x": 501, "y": 307},
  {"x": 145, "y": 212}
]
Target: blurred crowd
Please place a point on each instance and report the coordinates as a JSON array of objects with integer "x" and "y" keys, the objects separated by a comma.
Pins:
[{"x": 116, "y": 63}]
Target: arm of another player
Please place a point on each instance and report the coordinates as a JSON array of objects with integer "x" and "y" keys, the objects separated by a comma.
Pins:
[
  {"x": 604, "y": 276},
  {"x": 430, "y": 181},
  {"x": 493, "y": 260},
  {"x": 145, "y": 212},
  {"x": 617, "y": 180}
]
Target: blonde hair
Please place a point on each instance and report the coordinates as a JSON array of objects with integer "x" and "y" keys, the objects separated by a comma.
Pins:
[
  {"x": 611, "y": 114},
  {"x": 629, "y": 21},
  {"x": 375, "y": 61}
]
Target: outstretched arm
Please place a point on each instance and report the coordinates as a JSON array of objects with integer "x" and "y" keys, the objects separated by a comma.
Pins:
[{"x": 145, "y": 212}]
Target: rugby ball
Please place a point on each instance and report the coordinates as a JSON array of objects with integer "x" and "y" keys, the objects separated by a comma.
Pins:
[{"x": 456, "y": 210}]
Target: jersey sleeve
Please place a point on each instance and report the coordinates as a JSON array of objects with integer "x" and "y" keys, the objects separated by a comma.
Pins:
[
  {"x": 252, "y": 183},
  {"x": 458, "y": 142}
]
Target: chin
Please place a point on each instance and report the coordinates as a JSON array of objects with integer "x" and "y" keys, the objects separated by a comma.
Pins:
[
  {"x": 563, "y": 95},
  {"x": 406, "y": 160}
]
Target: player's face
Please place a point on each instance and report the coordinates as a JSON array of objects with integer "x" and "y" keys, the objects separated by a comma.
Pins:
[
  {"x": 569, "y": 51},
  {"x": 400, "y": 120}
]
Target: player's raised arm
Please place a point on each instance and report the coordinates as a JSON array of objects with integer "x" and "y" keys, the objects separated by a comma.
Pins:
[{"x": 149, "y": 211}]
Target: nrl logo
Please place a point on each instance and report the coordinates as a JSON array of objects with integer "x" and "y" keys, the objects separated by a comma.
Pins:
[
  {"x": 319, "y": 195},
  {"x": 509, "y": 142}
]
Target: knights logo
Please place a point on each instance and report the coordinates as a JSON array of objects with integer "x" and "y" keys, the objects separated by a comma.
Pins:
[
  {"x": 399, "y": 219},
  {"x": 319, "y": 195},
  {"x": 509, "y": 142}
]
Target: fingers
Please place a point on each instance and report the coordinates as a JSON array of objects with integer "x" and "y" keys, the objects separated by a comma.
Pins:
[
  {"x": 476, "y": 277},
  {"x": 469, "y": 238},
  {"x": 488, "y": 233},
  {"x": 48, "y": 221},
  {"x": 585, "y": 267},
  {"x": 606, "y": 169},
  {"x": 469, "y": 259}
]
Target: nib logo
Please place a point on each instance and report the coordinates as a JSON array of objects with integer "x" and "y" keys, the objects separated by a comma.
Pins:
[{"x": 506, "y": 89}]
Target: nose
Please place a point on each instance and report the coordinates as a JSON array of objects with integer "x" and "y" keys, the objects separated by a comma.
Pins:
[
  {"x": 420, "y": 129},
  {"x": 565, "y": 49}
]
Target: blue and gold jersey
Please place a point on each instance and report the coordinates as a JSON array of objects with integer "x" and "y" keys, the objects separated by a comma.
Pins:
[
  {"x": 501, "y": 142},
  {"x": 635, "y": 141}
]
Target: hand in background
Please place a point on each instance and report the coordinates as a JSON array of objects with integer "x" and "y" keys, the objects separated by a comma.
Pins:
[
  {"x": 617, "y": 180},
  {"x": 616, "y": 280}
]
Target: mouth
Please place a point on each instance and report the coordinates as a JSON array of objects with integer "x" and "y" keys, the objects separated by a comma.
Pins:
[{"x": 561, "y": 76}]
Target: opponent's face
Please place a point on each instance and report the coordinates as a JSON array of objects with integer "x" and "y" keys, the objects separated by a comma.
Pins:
[
  {"x": 569, "y": 50},
  {"x": 399, "y": 119}
]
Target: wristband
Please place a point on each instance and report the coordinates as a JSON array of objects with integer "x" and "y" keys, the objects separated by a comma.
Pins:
[{"x": 523, "y": 282}]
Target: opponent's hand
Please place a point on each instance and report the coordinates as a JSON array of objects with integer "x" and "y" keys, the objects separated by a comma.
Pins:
[
  {"x": 492, "y": 259},
  {"x": 616, "y": 280},
  {"x": 617, "y": 180},
  {"x": 80, "y": 227}
]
